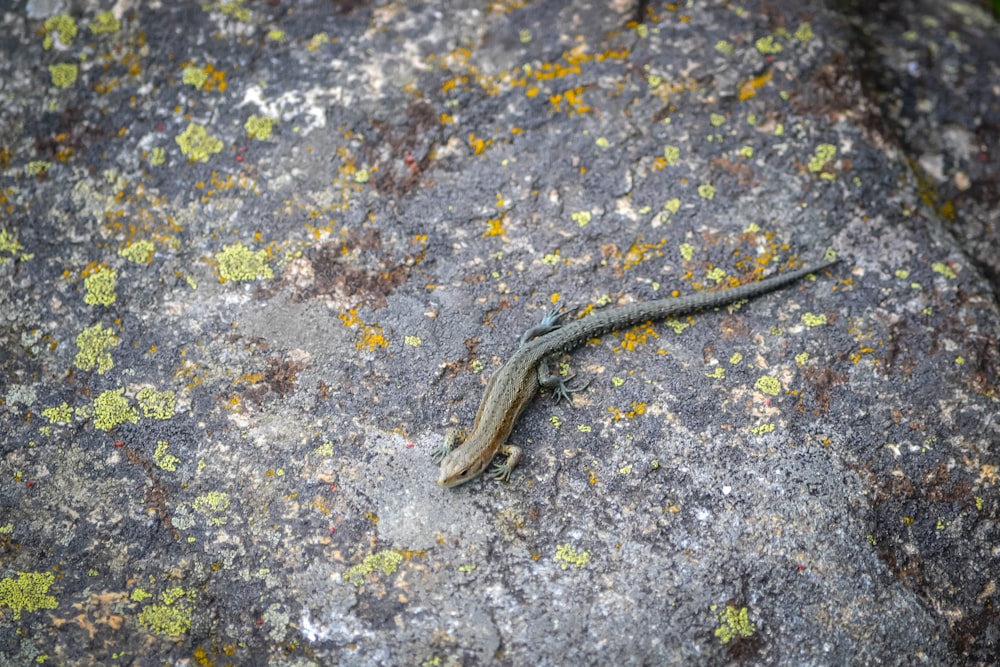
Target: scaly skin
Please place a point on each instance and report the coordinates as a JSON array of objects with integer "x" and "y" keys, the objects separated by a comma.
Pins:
[{"x": 512, "y": 387}]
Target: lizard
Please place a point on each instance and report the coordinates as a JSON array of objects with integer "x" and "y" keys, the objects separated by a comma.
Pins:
[{"x": 511, "y": 389}]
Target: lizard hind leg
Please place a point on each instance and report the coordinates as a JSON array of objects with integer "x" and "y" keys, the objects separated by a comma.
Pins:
[
  {"x": 453, "y": 437},
  {"x": 550, "y": 322},
  {"x": 557, "y": 384}
]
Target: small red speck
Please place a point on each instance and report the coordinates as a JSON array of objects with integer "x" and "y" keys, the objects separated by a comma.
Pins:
[
  {"x": 239, "y": 158},
  {"x": 30, "y": 483},
  {"x": 260, "y": 621},
  {"x": 333, "y": 488},
  {"x": 332, "y": 530},
  {"x": 119, "y": 443},
  {"x": 159, "y": 127},
  {"x": 767, "y": 402},
  {"x": 801, "y": 567},
  {"x": 409, "y": 445}
]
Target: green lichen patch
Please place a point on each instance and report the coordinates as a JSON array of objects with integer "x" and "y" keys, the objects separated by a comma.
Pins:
[
  {"x": 768, "y": 384},
  {"x": 111, "y": 408},
  {"x": 326, "y": 449},
  {"x": 172, "y": 617},
  {"x": 260, "y": 127},
  {"x": 61, "y": 414},
  {"x": 157, "y": 156},
  {"x": 814, "y": 320},
  {"x": 140, "y": 594},
  {"x": 63, "y": 26},
  {"x": 238, "y": 262},
  {"x": 156, "y": 404},
  {"x": 38, "y": 167},
  {"x": 944, "y": 270},
  {"x": 823, "y": 154},
  {"x": 105, "y": 23},
  {"x": 672, "y": 154},
  {"x": 29, "y": 592},
  {"x": 63, "y": 75},
  {"x": 211, "y": 503},
  {"x": 94, "y": 343},
  {"x": 140, "y": 252},
  {"x": 163, "y": 458},
  {"x": 9, "y": 245},
  {"x": 386, "y": 562},
  {"x": 194, "y": 76},
  {"x": 100, "y": 286},
  {"x": 568, "y": 556},
  {"x": 768, "y": 45},
  {"x": 197, "y": 143},
  {"x": 734, "y": 623}
]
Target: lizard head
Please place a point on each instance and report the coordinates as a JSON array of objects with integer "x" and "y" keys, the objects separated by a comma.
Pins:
[{"x": 457, "y": 468}]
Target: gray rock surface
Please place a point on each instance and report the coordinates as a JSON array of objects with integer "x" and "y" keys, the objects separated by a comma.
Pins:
[{"x": 255, "y": 258}]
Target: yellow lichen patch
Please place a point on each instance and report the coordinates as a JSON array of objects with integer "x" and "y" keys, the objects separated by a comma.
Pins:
[
  {"x": 762, "y": 429},
  {"x": 750, "y": 87},
  {"x": 386, "y": 562},
  {"x": 635, "y": 409},
  {"x": 734, "y": 623},
  {"x": 100, "y": 286},
  {"x": 156, "y": 404},
  {"x": 494, "y": 227},
  {"x": 197, "y": 143},
  {"x": 567, "y": 555},
  {"x": 640, "y": 251},
  {"x": 478, "y": 144},
  {"x": 238, "y": 262},
  {"x": 94, "y": 343},
  {"x": 638, "y": 335},
  {"x": 111, "y": 408},
  {"x": 573, "y": 98},
  {"x": 29, "y": 592},
  {"x": 370, "y": 337}
]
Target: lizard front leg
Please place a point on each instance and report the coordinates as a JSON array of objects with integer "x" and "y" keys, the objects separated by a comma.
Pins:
[
  {"x": 501, "y": 471},
  {"x": 453, "y": 437}
]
